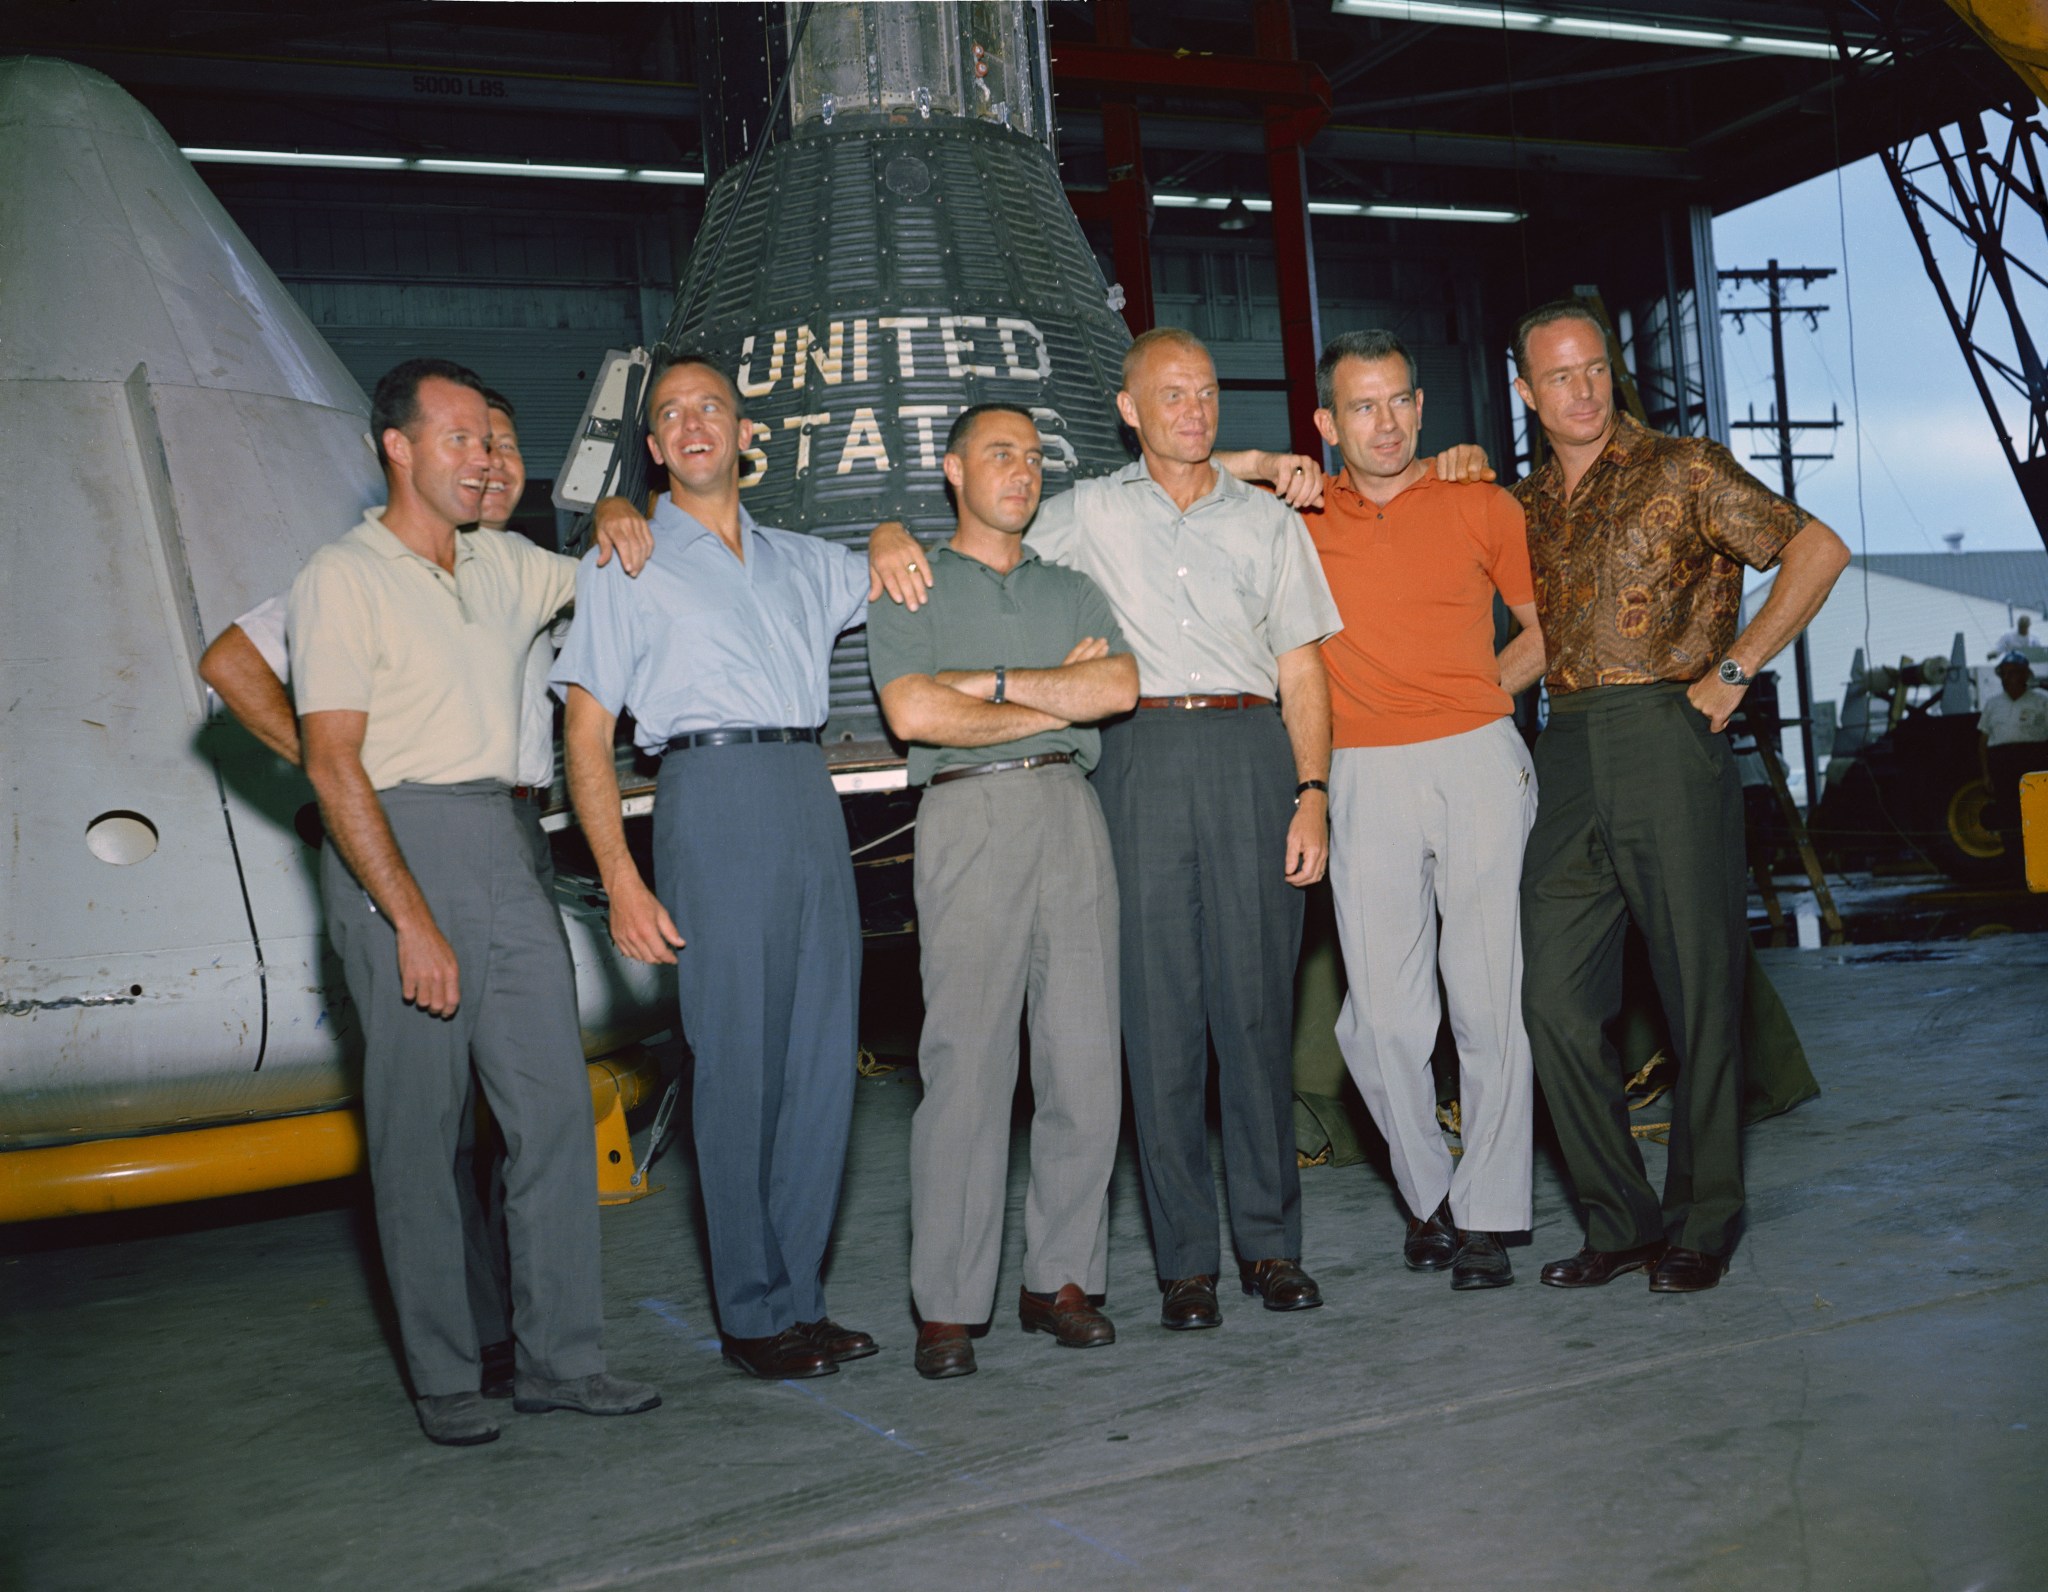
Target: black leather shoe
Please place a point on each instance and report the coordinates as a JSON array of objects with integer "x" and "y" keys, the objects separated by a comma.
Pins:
[
  {"x": 1073, "y": 1322},
  {"x": 838, "y": 1344},
  {"x": 1593, "y": 1268},
  {"x": 1481, "y": 1262},
  {"x": 789, "y": 1354},
  {"x": 1686, "y": 1271},
  {"x": 1281, "y": 1283},
  {"x": 1190, "y": 1303},
  {"x": 943, "y": 1350},
  {"x": 1431, "y": 1245},
  {"x": 498, "y": 1367}
]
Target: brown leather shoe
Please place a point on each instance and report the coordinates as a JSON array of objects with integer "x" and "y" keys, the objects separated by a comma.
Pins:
[
  {"x": 943, "y": 1350},
  {"x": 1431, "y": 1245},
  {"x": 838, "y": 1344},
  {"x": 1190, "y": 1303},
  {"x": 1067, "y": 1315},
  {"x": 1281, "y": 1283},
  {"x": 1686, "y": 1271},
  {"x": 789, "y": 1354},
  {"x": 1594, "y": 1268}
]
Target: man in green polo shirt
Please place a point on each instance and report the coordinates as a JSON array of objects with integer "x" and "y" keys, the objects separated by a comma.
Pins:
[{"x": 994, "y": 682}]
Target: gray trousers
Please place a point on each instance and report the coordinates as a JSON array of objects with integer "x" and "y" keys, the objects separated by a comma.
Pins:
[
  {"x": 467, "y": 847},
  {"x": 1198, "y": 805},
  {"x": 1437, "y": 827},
  {"x": 751, "y": 860},
  {"x": 1641, "y": 819},
  {"x": 480, "y": 1162},
  {"x": 1016, "y": 912}
]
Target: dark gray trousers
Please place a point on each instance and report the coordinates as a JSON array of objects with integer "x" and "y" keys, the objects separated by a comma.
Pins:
[
  {"x": 751, "y": 860},
  {"x": 1198, "y": 805},
  {"x": 1639, "y": 815},
  {"x": 467, "y": 847}
]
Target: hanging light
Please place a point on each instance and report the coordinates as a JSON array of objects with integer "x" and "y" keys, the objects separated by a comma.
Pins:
[{"x": 1236, "y": 215}]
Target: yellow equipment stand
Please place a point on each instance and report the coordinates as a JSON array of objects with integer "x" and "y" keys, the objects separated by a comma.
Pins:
[
  {"x": 2034, "y": 828},
  {"x": 129, "y": 1174}
]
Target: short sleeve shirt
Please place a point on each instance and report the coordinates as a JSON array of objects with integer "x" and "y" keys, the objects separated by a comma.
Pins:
[
  {"x": 976, "y": 617},
  {"x": 702, "y": 640},
  {"x": 2005, "y": 719},
  {"x": 1638, "y": 576},
  {"x": 1209, "y": 596},
  {"x": 264, "y": 625},
  {"x": 1415, "y": 580},
  {"x": 435, "y": 658}
]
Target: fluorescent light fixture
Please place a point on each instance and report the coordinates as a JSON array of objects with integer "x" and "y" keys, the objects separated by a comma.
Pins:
[
  {"x": 1818, "y": 48},
  {"x": 1647, "y": 32},
  {"x": 283, "y": 157},
  {"x": 1169, "y": 199},
  {"x": 1441, "y": 213},
  {"x": 474, "y": 168},
  {"x": 1471, "y": 15}
]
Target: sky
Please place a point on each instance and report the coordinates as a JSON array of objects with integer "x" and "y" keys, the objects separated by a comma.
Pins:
[{"x": 1931, "y": 463}]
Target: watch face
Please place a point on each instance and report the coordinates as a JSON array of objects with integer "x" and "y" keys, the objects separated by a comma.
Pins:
[{"x": 1731, "y": 671}]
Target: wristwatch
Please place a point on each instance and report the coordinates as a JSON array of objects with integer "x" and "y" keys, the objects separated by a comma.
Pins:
[
  {"x": 1308, "y": 785},
  {"x": 1731, "y": 673}
]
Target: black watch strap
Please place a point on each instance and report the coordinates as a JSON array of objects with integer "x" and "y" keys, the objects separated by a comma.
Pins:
[
  {"x": 1308, "y": 785},
  {"x": 1002, "y": 683}
]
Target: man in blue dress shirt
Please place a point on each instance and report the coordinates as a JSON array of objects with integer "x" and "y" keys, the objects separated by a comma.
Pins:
[{"x": 720, "y": 652}]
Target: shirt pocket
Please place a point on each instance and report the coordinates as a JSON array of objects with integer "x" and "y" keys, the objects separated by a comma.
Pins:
[{"x": 715, "y": 639}]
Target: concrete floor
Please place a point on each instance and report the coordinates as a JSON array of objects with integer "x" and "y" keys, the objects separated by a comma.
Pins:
[{"x": 209, "y": 1398}]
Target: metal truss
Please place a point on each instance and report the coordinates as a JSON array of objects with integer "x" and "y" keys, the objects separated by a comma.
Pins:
[
  {"x": 1972, "y": 195},
  {"x": 1980, "y": 181}
]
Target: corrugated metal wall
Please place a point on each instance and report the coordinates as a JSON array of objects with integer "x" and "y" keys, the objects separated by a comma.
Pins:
[
  {"x": 1226, "y": 295},
  {"x": 530, "y": 300}
]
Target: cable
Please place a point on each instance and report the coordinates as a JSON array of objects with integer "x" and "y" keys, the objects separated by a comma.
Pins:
[
  {"x": 1855, "y": 396},
  {"x": 746, "y": 182}
]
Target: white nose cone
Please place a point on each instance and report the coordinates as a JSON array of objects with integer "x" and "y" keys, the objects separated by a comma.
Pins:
[
  {"x": 114, "y": 253},
  {"x": 175, "y": 440}
]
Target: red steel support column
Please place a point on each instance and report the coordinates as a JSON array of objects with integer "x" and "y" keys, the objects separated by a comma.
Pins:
[
  {"x": 1294, "y": 255},
  {"x": 1130, "y": 241}
]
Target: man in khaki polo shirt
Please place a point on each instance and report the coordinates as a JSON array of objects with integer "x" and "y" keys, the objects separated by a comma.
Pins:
[{"x": 408, "y": 643}]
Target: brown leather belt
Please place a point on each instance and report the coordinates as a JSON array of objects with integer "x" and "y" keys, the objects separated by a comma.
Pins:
[
  {"x": 1008, "y": 765},
  {"x": 1206, "y": 702}
]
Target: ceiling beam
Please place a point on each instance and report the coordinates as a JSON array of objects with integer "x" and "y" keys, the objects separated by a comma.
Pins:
[
  {"x": 434, "y": 87},
  {"x": 1409, "y": 146}
]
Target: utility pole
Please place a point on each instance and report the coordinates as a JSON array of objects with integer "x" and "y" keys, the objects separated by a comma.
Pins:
[{"x": 1774, "y": 280}]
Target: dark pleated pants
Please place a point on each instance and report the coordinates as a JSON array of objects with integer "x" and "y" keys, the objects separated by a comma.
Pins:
[
  {"x": 467, "y": 847},
  {"x": 1639, "y": 816},
  {"x": 1198, "y": 805},
  {"x": 751, "y": 860}
]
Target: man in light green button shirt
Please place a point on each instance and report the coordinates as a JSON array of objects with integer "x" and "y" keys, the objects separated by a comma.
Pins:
[{"x": 995, "y": 683}]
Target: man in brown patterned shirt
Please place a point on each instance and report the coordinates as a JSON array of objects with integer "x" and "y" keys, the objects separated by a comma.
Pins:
[{"x": 1637, "y": 543}]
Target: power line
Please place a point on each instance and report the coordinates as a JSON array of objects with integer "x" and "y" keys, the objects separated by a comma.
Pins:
[{"x": 1775, "y": 280}]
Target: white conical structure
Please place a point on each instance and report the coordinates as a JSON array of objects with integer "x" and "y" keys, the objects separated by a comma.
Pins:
[{"x": 175, "y": 440}]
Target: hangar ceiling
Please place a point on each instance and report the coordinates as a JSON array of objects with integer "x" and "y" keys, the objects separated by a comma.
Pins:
[
  {"x": 1614, "y": 129},
  {"x": 1423, "y": 109}
]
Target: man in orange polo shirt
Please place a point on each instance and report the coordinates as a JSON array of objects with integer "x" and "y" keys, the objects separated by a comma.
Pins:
[{"x": 1431, "y": 797}]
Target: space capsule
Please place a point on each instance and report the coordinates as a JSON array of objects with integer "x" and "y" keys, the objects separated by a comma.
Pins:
[{"x": 175, "y": 440}]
